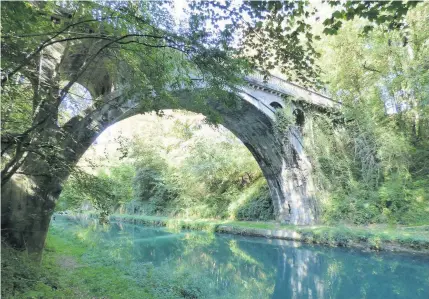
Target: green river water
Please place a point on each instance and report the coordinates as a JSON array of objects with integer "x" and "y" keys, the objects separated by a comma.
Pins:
[{"x": 226, "y": 266}]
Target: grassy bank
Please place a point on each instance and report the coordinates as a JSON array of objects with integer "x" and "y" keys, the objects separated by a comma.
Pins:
[
  {"x": 63, "y": 273},
  {"x": 398, "y": 238},
  {"x": 76, "y": 264}
]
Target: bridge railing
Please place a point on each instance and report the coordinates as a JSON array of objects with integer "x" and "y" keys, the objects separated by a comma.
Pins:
[{"x": 282, "y": 86}]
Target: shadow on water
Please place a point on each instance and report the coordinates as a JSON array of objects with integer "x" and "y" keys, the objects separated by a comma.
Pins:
[{"x": 226, "y": 266}]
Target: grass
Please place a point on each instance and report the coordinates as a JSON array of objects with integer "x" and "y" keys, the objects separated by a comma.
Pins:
[
  {"x": 63, "y": 274},
  {"x": 194, "y": 223},
  {"x": 372, "y": 237}
]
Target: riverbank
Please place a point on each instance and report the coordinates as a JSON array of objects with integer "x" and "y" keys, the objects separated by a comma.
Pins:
[
  {"x": 83, "y": 259},
  {"x": 375, "y": 238},
  {"x": 71, "y": 268}
]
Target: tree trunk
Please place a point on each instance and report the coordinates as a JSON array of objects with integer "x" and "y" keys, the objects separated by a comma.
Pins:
[
  {"x": 30, "y": 194},
  {"x": 27, "y": 206}
]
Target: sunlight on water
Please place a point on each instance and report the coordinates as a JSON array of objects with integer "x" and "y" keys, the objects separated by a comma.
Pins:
[{"x": 226, "y": 266}]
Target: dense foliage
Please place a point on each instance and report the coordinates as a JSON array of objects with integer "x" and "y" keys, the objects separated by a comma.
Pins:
[
  {"x": 177, "y": 166},
  {"x": 372, "y": 161}
]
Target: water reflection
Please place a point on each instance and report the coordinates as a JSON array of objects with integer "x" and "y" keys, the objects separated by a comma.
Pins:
[{"x": 224, "y": 266}]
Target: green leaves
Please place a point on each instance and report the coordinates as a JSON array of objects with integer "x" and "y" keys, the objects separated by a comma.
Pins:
[
  {"x": 391, "y": 13},
  {"x": 338, "y": 15},
  {"x": 183, "y": 167},
  {"x": 368, "y": 165},
  {"x": 104, "y": 191},
  {"x": 266, "y": 34}
]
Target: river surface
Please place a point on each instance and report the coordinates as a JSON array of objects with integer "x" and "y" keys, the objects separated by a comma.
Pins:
[{"x": 227, "y": 266}]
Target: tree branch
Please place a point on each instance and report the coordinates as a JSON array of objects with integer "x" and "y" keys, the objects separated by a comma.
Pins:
[
  {"x": 368, "y": 68},
  {"x": 40, "y": 48}
]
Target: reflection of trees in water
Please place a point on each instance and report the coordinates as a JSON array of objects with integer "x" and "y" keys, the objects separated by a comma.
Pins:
[
  {"x": 232, "y": 272},
  {"x": 211, "y": 267},
  {"x": 303, "y": 271},
  {"x": 222, "y": 266}
]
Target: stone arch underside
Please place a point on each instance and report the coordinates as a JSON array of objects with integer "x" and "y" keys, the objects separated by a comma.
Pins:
[{"x": 280, "y": 158}]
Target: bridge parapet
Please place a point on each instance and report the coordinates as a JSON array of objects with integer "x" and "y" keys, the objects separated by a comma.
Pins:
[{"x": 282, "y": 87}]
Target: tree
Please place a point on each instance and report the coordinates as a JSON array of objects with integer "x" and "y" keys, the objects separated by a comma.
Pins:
[
  {"x": 105, "y": 191},
  {"x": 184, "y": 168},
  {"x": 373, "y": 167}
]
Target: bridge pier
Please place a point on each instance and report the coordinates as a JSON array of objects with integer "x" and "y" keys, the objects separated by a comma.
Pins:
[{"x": 291, "y": 189}]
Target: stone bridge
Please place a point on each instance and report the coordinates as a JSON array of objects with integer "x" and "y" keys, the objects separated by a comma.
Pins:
[
  {"x": 281, "y": 157},
  {"x": 29, "y": 197}
]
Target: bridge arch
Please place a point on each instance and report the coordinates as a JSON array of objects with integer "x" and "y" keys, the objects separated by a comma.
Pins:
[
  {"x": 250, "y": 118},
  {"x": 281, "y": 159}
]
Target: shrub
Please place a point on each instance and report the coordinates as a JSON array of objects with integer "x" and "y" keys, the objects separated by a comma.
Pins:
[
  {"x": 258, "y": 207},
  {"x": 20, "y": 273}
]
